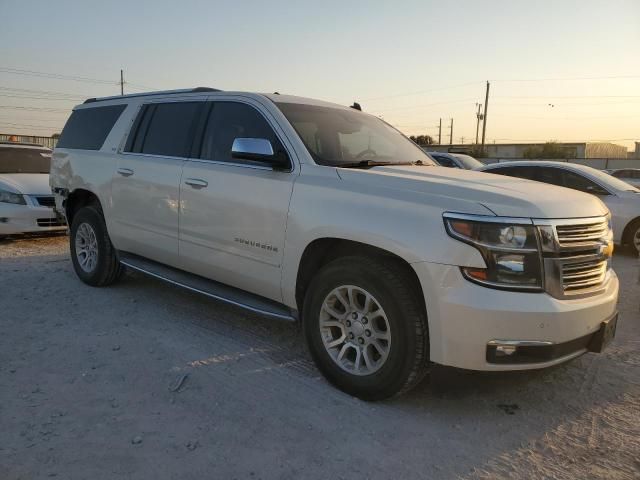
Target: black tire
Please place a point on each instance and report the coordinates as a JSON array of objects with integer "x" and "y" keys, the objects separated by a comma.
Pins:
[
  {"x": 408, "y": 358},
  {"x": 632, "y": 230},
  {"x": 107, "y": 268}
]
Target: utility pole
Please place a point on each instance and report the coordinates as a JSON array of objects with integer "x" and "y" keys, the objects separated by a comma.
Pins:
[
  {"x": 440, "y": 133},
  {"x": 121, "y": 82},
  {"x": 451, "y": 133},
  {"x": 484, "y": 120},
  {"x": 462, "y": 140},
  {"x": 478, "y": 118}
]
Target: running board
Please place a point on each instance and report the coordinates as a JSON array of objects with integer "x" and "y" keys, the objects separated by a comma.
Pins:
[{"x": 210, "y": 288}]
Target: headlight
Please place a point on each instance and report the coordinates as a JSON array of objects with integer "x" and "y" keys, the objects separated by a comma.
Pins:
[
  {"x": 10, "y": 197},
  {"x": 509, "y": 248}
]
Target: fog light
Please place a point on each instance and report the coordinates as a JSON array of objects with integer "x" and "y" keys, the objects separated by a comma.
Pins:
[{"x": 505, "y": 350}]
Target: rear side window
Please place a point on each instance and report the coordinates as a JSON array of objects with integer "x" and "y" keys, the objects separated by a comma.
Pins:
[
  {"x": 165, "y": 129},
  {"x": 445, "y": 161},
  {"x": 228, "y": 121},
  {"x": 87, "y": 128},
  {"x": 520, "y": 172}
]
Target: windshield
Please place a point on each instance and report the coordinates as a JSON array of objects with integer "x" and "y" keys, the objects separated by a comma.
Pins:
[
  {"x": 610, "y": 181},
  {"x": 336, "y": 136},
  {"x": 468, "y": 161},
  {"x": 20, "y": 159}
]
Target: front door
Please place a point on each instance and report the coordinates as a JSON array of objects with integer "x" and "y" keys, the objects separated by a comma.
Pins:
[{"x": 234, "y": 213}]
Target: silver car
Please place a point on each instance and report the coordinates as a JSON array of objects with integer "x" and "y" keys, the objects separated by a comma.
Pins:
[
  {"x": 629, "y": 175},
  {"x": 622, "y": 199}
]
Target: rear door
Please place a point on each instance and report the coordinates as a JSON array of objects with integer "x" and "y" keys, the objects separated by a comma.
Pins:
[
  {"x": 146, "y": 184},
  {"x": 234, "y": 212}
]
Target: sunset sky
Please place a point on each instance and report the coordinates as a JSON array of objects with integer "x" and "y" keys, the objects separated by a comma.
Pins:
[{"x": 563, "y": 70}]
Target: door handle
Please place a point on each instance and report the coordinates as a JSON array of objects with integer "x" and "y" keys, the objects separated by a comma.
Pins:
[
  {"x": 125, "y": 172},
  {"x": 196, "y": 183}
]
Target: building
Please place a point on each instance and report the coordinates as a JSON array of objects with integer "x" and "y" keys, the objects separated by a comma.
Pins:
[{"x": 517, "y": 150}]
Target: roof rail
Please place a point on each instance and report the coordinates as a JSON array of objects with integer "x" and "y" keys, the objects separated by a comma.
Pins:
[{"x": 159, "y": 92}]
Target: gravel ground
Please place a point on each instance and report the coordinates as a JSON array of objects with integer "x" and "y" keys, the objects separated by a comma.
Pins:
[{"x": 144, "y": 380}]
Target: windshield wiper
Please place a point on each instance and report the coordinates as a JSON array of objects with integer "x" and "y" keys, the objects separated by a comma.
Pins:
[
  {"x": 375, "y": 163},
  {"x": 364, "y": 164}
]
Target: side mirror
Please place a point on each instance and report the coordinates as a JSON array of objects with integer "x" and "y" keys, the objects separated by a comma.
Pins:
[{"x": 259, "y": 150}]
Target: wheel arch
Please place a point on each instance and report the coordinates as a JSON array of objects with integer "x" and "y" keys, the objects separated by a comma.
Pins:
[
  {"x": 321, "y": 251},
  {"x": 77, "y": 199},
  {"x": 625, "y": 239}
]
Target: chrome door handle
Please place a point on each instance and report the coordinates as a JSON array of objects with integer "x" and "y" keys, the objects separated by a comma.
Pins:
[
  {"x": 125, "y": 172},
  {"x": 196, "y": 183}
]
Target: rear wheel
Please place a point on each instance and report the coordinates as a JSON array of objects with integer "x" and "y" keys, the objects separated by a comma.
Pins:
[
  {"x": 93, "y": 256},
  {"x": 366, "y": 328}
]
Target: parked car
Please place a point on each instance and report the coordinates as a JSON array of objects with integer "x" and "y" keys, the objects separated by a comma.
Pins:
[
  {"x": 308, "y": 211},
  {"x": 629, "y": 175},
  {"x": 456, "y": 160},
  {"x": 621, "y": 198},
  {"x": 26, "y": 202}
]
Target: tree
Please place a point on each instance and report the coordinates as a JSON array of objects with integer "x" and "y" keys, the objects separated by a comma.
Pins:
[
  {"x": 422, "y": 140},
  {"x": 549, "y": 150}
]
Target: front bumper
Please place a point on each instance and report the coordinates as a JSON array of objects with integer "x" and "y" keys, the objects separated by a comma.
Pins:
[
  {"x": 30, "y": 218},
  {"x": 464, "y": 318}
]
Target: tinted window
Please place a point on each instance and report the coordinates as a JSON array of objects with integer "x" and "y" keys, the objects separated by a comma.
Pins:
[
  {"x": 228, "y": 121},
  {"x": 444, "y": 161},
  {"x": 568, "y": 179},
  {"x": 24, "y": 160},
  {"x": 167, "y": 129},
  {"x": 88, "y": 128},
  {"x": 520, "y": 172}
]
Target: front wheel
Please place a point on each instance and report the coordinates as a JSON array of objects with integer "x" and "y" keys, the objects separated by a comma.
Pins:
[
  {"x": 93, "y": 256},
  {"x": 366, "y": 328}
]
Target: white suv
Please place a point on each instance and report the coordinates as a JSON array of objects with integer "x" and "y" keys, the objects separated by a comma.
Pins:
[{"x": 304, "y": 210}]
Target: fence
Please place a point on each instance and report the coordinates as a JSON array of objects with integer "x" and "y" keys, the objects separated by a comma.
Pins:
[
  {"x": 44, "y": 141},
  {"x": 599, "y": 163}
]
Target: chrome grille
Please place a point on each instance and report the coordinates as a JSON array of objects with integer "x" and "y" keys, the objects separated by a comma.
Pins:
[
  {"x": 575, "y": 235},
  {"x": 578, "y": 276},
  {"x": 575, "y": 255}
]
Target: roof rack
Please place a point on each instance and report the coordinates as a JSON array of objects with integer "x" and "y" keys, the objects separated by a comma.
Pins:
[{"x": 148, "y": 94}]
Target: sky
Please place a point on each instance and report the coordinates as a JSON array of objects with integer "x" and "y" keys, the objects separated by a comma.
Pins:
[{"x": 559, "y": 70}]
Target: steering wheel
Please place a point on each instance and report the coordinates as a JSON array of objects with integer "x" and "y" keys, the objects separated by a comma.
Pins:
[{"x": 365, "y": 152}]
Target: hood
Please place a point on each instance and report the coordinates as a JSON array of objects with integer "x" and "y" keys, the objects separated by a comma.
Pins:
[
  {"x": 503, "y": 195},
  {"x": 26, "y": 183}
]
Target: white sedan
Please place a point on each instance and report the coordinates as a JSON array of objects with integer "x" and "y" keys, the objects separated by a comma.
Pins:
[
  {"x": 622, "y": 199},
  {"x": 26, "y": 202}
]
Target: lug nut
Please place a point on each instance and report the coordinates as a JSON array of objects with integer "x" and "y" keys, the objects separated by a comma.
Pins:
[
  {"x": 365, "y": 319},
  {"x": 367, "y": 333},
  {"x": 348, "y": 323},
  {"x": 354, "y": 315},
  {"x": 351, "y": 336},
  {"x": 360, "y": 340}
]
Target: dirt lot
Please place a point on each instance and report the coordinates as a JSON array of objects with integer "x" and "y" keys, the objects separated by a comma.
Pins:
[{"x": 90, "y": 389}]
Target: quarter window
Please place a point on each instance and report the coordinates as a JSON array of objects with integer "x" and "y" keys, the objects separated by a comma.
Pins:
[
  {"x": 87, "y": 128},
  {"x": 228, "y": 121}
]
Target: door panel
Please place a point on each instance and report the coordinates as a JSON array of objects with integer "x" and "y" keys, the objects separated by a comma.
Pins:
[
  {"x": 233, "y": 229},
  {"x": 144, "y": 211}
]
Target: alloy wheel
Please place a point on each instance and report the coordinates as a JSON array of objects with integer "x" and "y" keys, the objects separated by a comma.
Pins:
[
  {"x": 355, "y": 330},
  {"x": 86, "y": 247}
]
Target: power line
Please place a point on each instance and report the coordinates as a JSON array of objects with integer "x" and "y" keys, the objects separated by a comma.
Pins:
[
  {"x": 556, "y": 79},
  {"x": 59, "y": 76},
  {"x": 29, "y": 97},
  {"x": 568, "y": 96},
  {"x": 420, "y": 92},
  {"x": 40, "y": 92},
  {"x": 409, "y": 107},
  {"x": 37, "y": 109}
]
